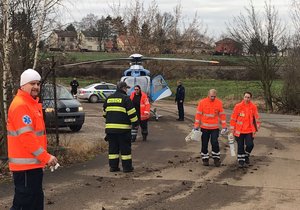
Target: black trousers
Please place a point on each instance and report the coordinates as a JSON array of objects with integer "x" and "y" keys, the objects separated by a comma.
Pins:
[
  {"x": 212, "y": 135},
  {"x": 119, "y": 143},
  {"x": 29, "y": 193},
  {"x": 180, "y": 110},
  {"x": 144, "y": 127},
  {"x": 74, "y": 91},
  {"x": 244, "y": 151}
]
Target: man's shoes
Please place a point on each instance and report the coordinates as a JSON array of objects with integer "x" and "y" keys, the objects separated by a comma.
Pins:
[
  {"x": 127, "y": 170},
  {"x": 241, "y": 164},
  {"x": 133, "y": 138},
  {"x": 205, "y": 162},
  {"x": 247, "y": 160},
  {"x": 217, "y": 162},
  {"x": 180, "y": 119},
  {"x": 114, "y": 169}
]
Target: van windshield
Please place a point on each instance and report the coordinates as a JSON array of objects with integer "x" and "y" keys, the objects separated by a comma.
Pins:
[{"x": 61, "y": 93}]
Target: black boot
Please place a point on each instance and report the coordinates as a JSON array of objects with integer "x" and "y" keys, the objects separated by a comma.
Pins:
[
  {"x": 144, "y": 137},
  {"x": 133, "y": 138},
  {"x": 128, "y": 170},
  {"x": 205, "y": 162},
  {"x": 247, "y": 160},
  {"x": 241, "y": 164},
  {"x": 114, "y": 169},
  {"x": 217, "y": 162}
]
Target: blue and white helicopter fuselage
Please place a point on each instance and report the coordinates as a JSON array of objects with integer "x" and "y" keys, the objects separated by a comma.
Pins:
[{"x": 156, "y": 88}]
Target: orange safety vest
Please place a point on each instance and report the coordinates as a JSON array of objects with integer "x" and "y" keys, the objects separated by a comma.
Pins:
[
  {"x": 244, "y": 119},
  {"x": 26, "y": 134},
  {"x": 144, "y": 105},
  {"x": 208, "y": 114}
]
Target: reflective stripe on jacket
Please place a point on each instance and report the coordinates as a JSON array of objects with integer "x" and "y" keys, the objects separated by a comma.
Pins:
[
  {"x": 209, "y": 113},
  {"x": 244, "y": 119},
  {"x": 26, "y": 134},
  {"x": 119, "y": 112},
  {"x": 144, "y": 105}
]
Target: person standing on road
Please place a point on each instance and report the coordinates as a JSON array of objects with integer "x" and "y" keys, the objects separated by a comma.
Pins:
[
  {"x": 121, "y": 123},
  {"x": 179, "y": 99},
  {"x": 209, "y": 112},
  {"x": 244, "y": 123},
  {"x": 74, "y": 85},
  {"x": 27, "y": 143},
  {"x": 142, "y": 106}
]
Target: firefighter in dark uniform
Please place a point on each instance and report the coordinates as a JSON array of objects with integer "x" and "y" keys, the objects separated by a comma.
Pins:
[{"x": 121, "y": 124}]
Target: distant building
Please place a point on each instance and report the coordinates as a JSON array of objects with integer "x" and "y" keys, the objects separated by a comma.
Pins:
[
  {"x": 197, "y": 47},
  {"x": 108, "y": 45},
  {"x": 126, "y": 43},
  {"x": 88, "y": 41},
  {"x": 63, "y": 41},
  {"x": 228, "y": 46}
]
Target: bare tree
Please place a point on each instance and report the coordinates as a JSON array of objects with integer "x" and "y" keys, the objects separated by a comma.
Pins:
[
  {"x": 194, "y": 33},
  {"x": 22, "y": 29},
  {"x": 289, "y": 101},
  {"x": 259, "y": 34},
  {"x": 44, "y": 8},
  {"x": 88, "y": 22}
]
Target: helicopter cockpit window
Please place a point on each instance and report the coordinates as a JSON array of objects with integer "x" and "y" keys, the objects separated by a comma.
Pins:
[{"x": 142, "y": 73}]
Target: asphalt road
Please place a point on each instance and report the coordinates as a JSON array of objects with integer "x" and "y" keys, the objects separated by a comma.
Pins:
[{"x": 169, "y": 174}]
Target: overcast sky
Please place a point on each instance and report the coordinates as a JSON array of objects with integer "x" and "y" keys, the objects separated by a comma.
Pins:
[{"x": 213, "y": 13}]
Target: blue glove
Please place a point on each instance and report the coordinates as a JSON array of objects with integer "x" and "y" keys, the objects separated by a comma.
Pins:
[{"x": 195, "y": 129}]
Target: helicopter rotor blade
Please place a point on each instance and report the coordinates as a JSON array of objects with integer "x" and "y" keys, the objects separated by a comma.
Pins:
[
  {"x": 138, "y": 58},
  {"x": 180, "y": 59},
  {"x": 96, "y": 61}
]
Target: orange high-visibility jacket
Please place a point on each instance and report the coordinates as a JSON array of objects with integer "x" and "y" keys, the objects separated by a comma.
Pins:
[
  {"x": 209, "y": 113},
  {"x": 144, "y": 105},
  {"x": 27, "y": 141},
  {"x": 244, "y": 119}
]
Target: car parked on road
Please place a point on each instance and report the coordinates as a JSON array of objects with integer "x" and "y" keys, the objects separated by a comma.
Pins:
[
  {"x": 69, "y": 110},
  {"x": 96, "y": 92}
]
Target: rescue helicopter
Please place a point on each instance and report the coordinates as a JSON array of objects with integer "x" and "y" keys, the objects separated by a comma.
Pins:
[{"x": 155, "y": 87}]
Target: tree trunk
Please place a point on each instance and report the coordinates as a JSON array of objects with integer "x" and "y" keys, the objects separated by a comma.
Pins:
[
  {"x": 268, "y": 98},
  {"x": 5, "y": 76}
]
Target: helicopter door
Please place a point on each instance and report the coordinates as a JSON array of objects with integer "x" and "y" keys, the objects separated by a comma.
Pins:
[{"x": 159, "y": 88}]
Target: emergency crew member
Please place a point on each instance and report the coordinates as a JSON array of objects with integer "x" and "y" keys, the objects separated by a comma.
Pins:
[
  {"x": 120, "y": 117},
  {"x": 74, "y": 85},
  {"x": 179, "y": 99},
  {"x": 142, "y": 106},
  {"x": 244, "y": 123},
  {"x": 27, "y": 144},
  {"x": 209, "y": 112}
]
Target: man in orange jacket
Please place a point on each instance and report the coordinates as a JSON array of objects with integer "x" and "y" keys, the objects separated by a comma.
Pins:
[
  {"x": 244, "y": 123},
  {"x": 209, "y": 112},
  {"x": 27, "y": 143},
  {"x": 142, "y": 106}
]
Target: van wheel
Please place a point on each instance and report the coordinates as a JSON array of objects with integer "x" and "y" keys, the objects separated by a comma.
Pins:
[
  {"x": 94, "y": 99},
  {"x": 75, "y": 128}
]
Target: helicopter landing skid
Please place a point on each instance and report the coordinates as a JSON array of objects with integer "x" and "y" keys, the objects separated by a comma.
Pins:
[{"x": 155, "y": 114}]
